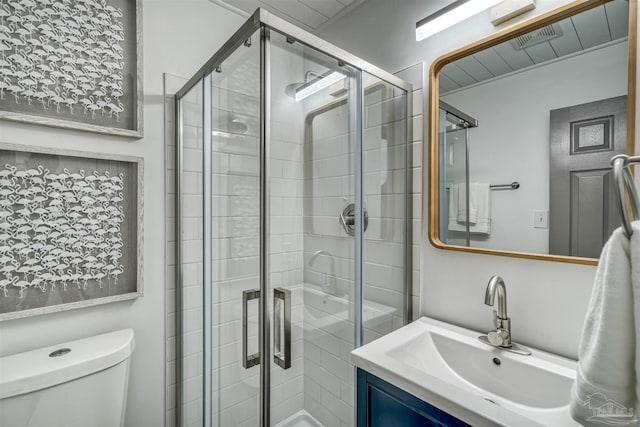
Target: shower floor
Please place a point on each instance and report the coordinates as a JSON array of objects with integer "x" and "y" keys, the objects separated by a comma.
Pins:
[{"x": 300, "y": 419}]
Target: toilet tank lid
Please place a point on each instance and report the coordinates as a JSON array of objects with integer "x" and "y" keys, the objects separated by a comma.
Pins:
[{"x": 36, "y": 369}]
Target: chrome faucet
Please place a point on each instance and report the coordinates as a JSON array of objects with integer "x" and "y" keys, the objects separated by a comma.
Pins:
[
  {"x": 500, "y": 337},
  {"x": 329, "y": 284}
]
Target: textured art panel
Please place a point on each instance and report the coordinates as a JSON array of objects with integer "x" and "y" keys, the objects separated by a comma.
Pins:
[
  {"x": 68, "y": 228},
  {"x": 72, "y": 60}
]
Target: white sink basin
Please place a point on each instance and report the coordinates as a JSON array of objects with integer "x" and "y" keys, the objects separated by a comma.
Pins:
[{"x": 450, "y": 368}]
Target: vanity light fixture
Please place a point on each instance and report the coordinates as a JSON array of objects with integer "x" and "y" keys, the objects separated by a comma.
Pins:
[
  {"x": 318, "y": 84},
  {"x": 450, "y": 15},
  {"x": 510, "y": 9}
]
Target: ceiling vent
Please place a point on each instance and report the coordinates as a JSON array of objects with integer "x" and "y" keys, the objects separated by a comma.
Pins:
[{"x": 533, "y": 38}]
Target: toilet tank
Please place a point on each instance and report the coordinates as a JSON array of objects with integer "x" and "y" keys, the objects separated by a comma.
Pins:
[{"x": 80, "y": 383}]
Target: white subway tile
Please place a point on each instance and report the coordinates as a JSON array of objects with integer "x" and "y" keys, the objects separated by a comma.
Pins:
[
  {"x": 192, "y": 389},
  {"x": 347, "y": 391},
  {"x": 245, "y": 411},
  {"x": 287, "y": 408},
  {"x": 192, "y": 343},
  {"x": 293, "y": 387},
  {"x": 170, "y": 349},
  {"x": 337, "y": 406},
  {"x": 335, "y": 365},
  {"x": 320, "y": 412},
  {"x": 323, "y": 377},
  {"x": 237, "y": 393},
  {"x": 192, "y": 366}
]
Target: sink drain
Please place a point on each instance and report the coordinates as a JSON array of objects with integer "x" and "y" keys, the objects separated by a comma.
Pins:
[
  {"x": 59, "y": 352},
  {"x": 497, "y": 361}
]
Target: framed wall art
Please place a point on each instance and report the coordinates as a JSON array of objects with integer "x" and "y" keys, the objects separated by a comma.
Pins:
[
  {"x": 70, "y": 230},
  {"x": 73, "y": 64}
]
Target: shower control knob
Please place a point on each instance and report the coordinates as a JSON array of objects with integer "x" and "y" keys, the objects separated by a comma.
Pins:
[{"x": 498, "y": 337}]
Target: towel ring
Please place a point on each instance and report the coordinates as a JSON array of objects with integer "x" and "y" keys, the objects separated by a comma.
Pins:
[{"x": 623, "y": 182}]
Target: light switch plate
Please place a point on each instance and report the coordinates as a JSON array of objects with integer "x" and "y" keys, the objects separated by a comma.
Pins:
[{"x": 541, "y": 219}]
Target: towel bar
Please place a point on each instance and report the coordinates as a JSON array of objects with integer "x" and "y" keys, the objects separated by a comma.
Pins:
[{"x": 624, "y": 185}]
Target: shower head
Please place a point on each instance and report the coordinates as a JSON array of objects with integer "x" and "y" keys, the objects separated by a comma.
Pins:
[{"x": 290, "y": 89}]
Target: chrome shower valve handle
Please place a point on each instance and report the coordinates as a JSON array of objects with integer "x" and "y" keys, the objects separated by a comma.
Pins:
[{"x": 347, "y": 219}]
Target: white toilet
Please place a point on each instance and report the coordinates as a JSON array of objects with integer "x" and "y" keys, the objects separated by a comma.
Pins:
[{"x": 80, "y": 383}]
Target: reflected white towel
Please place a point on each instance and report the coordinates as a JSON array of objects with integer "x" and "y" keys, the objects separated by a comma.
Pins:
[
  {"x": 454, "y": 190},
  {"x": 462, "y": 205},
  {"x": 608, "y": 365},
  {"x": 479, "y": 208}
]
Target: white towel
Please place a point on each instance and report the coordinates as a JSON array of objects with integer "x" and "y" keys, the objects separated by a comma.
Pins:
[
  {"x": 479, "y": 208},
  {"x": 608, "y": 366}
]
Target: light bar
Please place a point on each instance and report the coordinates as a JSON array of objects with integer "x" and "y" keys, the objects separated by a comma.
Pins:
[
  {"x": 317, "y": 85},
  {"x": 456, "y": 12}
]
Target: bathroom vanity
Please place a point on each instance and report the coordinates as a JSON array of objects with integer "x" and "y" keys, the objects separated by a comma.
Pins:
[
  {"x": 381, "y": 404},
  {"x": 433, "y": 373}
]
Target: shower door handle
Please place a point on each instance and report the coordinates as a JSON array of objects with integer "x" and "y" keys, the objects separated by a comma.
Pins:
[
  {"x": 248, "y": 360},
  {"x": 282, "y": 322}
]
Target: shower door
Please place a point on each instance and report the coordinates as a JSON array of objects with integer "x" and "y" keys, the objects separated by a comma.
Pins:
[
  {"x": 306, "y": 193},
  {"x": 232, "y": 238},
  {"x": 336, "y": 151},
  {"x": 283, "y": 151},
  {"x": 253, "y": 228}
]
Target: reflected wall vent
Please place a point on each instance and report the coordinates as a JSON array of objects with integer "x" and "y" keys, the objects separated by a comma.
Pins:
[{"x": 533, "y": 38}]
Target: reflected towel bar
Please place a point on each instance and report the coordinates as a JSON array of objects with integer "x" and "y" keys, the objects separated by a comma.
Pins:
[{"x": 513, "y": 186}]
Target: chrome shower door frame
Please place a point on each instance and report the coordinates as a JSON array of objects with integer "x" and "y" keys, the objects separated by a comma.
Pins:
[
  {"x": 264, "y": 315},
  {"x": 266, "y": 22}
]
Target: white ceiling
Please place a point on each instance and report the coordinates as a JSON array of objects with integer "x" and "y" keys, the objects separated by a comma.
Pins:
[
  {"x": 308, "y": 14},
  {"x": 584, "y": 31}
]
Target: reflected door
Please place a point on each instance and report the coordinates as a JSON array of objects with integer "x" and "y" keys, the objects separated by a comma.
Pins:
[{"x": 583, "y": 139}]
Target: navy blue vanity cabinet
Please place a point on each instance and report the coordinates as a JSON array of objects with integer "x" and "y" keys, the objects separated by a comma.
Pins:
[{"x": 381, "y": 404}]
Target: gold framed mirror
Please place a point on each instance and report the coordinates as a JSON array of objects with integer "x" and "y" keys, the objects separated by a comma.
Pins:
[{"x": 521, "y": 127}]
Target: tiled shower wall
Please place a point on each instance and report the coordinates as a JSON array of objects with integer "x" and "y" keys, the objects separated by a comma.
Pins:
[
  {"x": 192, "y": 252},
  {"x": 328, "y": 310},
  {"x": 414, "y": 75},
  {"x": 328, "y": 319}
]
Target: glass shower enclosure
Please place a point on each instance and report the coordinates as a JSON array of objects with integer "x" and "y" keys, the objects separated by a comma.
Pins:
[
  {"x": 453, "y": 141},
  {"x": 292, "y": 230}
]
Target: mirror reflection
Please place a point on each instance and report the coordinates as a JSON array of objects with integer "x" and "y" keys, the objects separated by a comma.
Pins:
[{"x": 526, "y": 129}]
